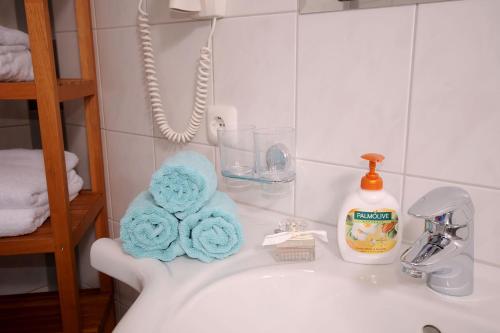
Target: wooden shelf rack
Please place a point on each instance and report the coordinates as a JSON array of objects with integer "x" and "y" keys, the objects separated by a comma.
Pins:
[
  {"x": 40, "y": 312},
  {"x": 69, "y": 310},
  {"x": 68, "y": 89}
]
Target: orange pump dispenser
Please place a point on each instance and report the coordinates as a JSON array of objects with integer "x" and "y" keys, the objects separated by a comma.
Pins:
[{"x": 372, "y": 180}]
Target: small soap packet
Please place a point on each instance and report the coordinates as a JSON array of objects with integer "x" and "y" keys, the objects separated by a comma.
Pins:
[{"x": 293, "y": 242}]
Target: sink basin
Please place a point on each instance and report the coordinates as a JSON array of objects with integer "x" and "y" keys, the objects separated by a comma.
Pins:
[{"x": 250, "y": 292}]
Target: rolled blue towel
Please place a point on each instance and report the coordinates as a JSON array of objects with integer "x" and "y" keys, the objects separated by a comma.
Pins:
[
  {"x": 149, "y": 231},
  {"x": 212, "y": 233},
  {"x": 184, "y": 183}
]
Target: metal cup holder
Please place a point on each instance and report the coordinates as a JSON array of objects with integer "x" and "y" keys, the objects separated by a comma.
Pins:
[{"x": 265, "y": 156}]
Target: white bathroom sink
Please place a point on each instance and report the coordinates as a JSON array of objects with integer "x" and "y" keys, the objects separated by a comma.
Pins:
[{"x": 249, "y": 292}]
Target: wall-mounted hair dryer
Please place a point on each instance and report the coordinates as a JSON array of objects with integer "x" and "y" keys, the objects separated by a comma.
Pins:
[
  {"x": 201, "y": 9},
  {"x": 186, "y": 5}
]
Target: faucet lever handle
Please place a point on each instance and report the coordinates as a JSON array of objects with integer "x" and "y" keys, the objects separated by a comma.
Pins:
[{"x": 445, "y": 205}]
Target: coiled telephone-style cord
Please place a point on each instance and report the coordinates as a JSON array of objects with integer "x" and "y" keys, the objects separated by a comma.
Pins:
[{"x": 202, "y": 82}]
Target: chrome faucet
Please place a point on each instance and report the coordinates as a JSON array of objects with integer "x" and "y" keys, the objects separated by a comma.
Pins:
[{"x": 444, "y": 253}]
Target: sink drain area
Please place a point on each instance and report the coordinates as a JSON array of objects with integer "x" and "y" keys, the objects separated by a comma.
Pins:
[{"x": 430, "y": 329}]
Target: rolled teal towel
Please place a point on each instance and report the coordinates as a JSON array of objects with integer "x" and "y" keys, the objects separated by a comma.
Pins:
[
  {"x": 184, "y": 183},
  {"x": 212, "y": 233},
  {"x": 149, "y": 231}
]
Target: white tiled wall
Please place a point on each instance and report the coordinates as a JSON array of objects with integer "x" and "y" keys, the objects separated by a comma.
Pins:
[{"x": 420, "y": 84}]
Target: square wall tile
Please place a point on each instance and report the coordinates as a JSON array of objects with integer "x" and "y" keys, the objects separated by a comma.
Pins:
[
  {"x": 104, "y": 143},
  {"x": 22, "y": 274},
  {"x": 456, "y": 93},
  {"x": 116, "y": 230},
  {"x": 486, "y": 221},
  {"x": 245, "y": 7},
  {"x": 13, "y": 113},
  {"x": 165, "y": 149},
  {"x": 354, "y": 77},
  {"x": 271, "y": 197},
  {"x": 64, "y": 15},
  {"x": 120, "y": 310},
  {"x": 89, "y": 277},
  {"x": 15, "y": 137},
  {"x": 69, "y": 67},
  {"x": 160, "y": 11},
  {"x": 123, "y": 90},
  {"x": 126, "y": 294},
  {"x": 322, "y": 189},
  {"x": 76, "y": 139},
  {"x": 177, "y": 51},
  {"x": 254, "y": 62},
  {"x": 115, "y": 13},
  {"x": 8, "y": 14},
  {"x": 131, "y": 164}
]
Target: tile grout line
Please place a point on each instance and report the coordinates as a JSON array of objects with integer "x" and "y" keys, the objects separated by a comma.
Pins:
[
  {"x": 187, "y": 21},
  {"x": 400, "y": 174},
  {"x": 104, "y": 142},
  {"x": 296, "y": 106},
  {"x": 408, "y": 108},
  {"x": 334, "y": 164}
]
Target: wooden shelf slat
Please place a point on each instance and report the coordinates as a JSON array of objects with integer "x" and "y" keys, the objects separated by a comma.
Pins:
[
  {"x": 68, "y": 89},
  {"x": 40, "y": 312},
  {"x": 84, "y": 209}
]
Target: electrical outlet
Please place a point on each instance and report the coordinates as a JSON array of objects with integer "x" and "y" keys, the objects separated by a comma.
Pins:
[{"x": 220, "y": 116}]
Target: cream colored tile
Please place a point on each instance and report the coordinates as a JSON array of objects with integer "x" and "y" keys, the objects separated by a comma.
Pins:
[
  {"x": 177, "y": 50},
  {"x": 245, "y": 7},
  {"x": 165, "y": 149},
  {"x": 8, "y": 14},
  {"x": 161, "y": 13},
  {"x": 64, "y": 15},
  {"x": 22, "y": 274},
  {"x": 116, "y": 230},
  {"x": 354, "y": 74},
  {"x": 15, "y": 137},
  {"x": 89, "y": 278},
  {"x": 69, "y": 67},
  {"x": 255, "y": 68},
  {"x": 104, "y": 143},
  {"x": 115, "y": 13},
  {"x": 127, "y": 295},
  {"x": 76, "y": 139},
  {"x": 122, "y": 82},
  {"x": 13, "y": 113},
  {"x": 322, "y": 189},
  {"x": 276, "y": 198},
  {"x": 456, "y": 93},
  {"x": 486, "y": 221},
  {"x": 131, "y": 164}
]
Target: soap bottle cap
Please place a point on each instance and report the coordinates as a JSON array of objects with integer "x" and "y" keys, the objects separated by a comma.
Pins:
[{"x": 372, "y": 180}]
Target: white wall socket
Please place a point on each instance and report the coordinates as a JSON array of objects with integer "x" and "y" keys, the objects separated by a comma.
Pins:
[{"x": 219, "y": 116}]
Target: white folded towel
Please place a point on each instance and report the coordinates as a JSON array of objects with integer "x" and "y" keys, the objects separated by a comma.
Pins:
[
  {"x": 16, "y": 66},
  {"x": 15, "y": 222},
  {"x": 4, "y": 49},
  {"x": 33, "y": 158},
  {"x": 22, "y": 178},
  {"x": 13, "y": 37}
]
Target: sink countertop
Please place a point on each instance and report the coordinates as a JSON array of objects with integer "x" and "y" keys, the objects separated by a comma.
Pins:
[{"x": 168, "y": 286}]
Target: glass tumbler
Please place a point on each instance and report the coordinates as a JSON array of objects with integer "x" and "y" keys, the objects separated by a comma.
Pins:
[{"x": 237, "y": 152}]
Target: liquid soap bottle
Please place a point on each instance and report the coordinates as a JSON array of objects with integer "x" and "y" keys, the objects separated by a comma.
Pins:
[{"x": 368, "y": 227}]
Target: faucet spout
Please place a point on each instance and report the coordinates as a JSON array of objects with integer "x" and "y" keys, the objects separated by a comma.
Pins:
[{"x": 444, "y": 253}]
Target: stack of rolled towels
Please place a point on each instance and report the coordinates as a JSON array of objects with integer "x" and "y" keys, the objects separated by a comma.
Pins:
[
  {"x": 182, "y": 213},
  {"x": 15, "y": 56},
  {"x": 24, "y": 200}
]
